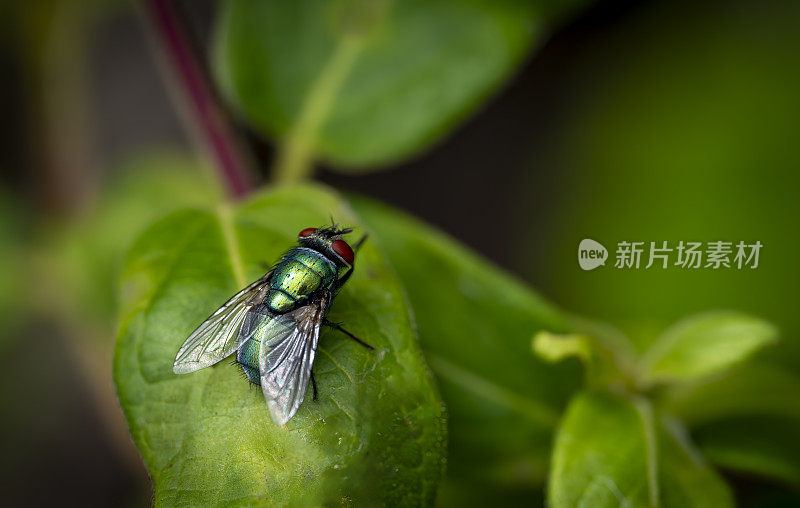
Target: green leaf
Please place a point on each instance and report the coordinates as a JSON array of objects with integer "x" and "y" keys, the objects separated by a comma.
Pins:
[
  {"x": 751, "y": 389},
  {"x": 555, "y": 347},
  {"x": 705, "y": 344},
  {"x": 475, "y": 324},
  {"x": 613, "y": 451},
  {"x": 376, "y": 434},
  {"x": 361, "y": 83},
  {"x": 765, "y": 446},
  {"x": 686, "y": 479},
  {"x": 748, "y": 419},
  {"x": 604, "y": 454},
  {"x": 607, "y": 354}
]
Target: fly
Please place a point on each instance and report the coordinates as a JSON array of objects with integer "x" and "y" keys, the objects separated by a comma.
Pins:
[{"x": 273, "y": 324}]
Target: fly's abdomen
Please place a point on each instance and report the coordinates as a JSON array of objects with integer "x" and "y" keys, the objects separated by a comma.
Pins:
[
  {"x": 253, "y": 327},
  {"x": 247, "y": 357},
  {"x": 301, "y": 272}
]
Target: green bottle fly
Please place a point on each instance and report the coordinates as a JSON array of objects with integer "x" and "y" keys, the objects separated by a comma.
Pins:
[{"x": 273, "y": 324}]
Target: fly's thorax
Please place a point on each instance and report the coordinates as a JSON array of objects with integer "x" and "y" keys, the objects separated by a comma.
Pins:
[
  {"x": 280, "y": 302},
  {"x": 301, "y": 272}
]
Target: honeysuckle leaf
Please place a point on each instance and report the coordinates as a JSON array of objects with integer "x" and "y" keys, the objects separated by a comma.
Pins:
[
  {"x": 747, "y": 419},
  {"x": 555, "y": 347},
  {"x": 685, "y": 477},
  {"x": 605, "y": 454},
  {"x": 475, "y": 324},
  {"x": 376, "y": 434},
  {"x": 361, "y": 83},
  {"x": 606, "y": 354},
  {"x": 617, "y": 451},
  {"x": 705, "y": 344}
]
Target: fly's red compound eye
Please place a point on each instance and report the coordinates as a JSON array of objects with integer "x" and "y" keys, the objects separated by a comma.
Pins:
[
  {"x": 340, "y": 247},
  {"x": 306, "y": 232}
]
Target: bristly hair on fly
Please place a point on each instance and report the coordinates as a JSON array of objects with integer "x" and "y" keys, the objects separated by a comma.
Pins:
[
  {"x": 328, "y": 240},
  {"x": 326, "y": 235},
  {"x": 333, "y": 231}
]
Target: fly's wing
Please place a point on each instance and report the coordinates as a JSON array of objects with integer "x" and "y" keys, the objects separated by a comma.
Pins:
[
  {"x": 286, "y": 357},
  {"x": 218, "y": 336}
]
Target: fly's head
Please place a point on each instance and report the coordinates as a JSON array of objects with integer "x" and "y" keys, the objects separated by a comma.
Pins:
[{"x": 328, "y": 241}]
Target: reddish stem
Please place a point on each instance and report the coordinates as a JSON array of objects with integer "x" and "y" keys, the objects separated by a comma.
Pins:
[{"x": 206, "y": 118}]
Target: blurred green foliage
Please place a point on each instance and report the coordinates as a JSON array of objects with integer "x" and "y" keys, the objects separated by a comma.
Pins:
[
  {"x": 474, "y": 324},
  {"x": 686, "y": 133},
  {"x": 84, "y": 256},
  {"x": 680, "y": 127},
  {"x": 14, "y": 294},
  {"x": 688, "y": 136},
  {"x": 746, "y": 419},
  {"x": 749, "y": 444},
  {"x": 621, "y": 441},
  {"x": 703, "y": 345},
  {"x": 365, "y": 83},
  {"x": 614, "y": 451}
]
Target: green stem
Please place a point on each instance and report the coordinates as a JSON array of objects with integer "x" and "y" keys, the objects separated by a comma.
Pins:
[
  {"x": 295, "y": 161},
  {"x": 645, "y": 410}
]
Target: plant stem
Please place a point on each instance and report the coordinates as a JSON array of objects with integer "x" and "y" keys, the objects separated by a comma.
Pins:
[
  {"x": 295, "y": 160},
  {"x": 202, "y": 114}
]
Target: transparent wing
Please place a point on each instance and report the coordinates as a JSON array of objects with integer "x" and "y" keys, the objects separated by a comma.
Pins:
[
  {"x": 218, "y": 336},
  {"x": 286, "y": 357}
]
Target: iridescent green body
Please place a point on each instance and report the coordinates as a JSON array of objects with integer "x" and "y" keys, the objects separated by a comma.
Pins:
[
  {"x": 273, "y": 325},
  {"x": 301, "y": 272}
]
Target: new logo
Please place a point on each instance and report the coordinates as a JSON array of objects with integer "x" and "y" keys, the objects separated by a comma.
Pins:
[{"x": 591, "y": 254}]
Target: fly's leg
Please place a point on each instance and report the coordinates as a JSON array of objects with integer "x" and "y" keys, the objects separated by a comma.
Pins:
[
  {"x": 360, "y": 243},
  {"x": 344, "y": 278},
  {"x": 339, "y": 284},
  {"x": 337, "y": 326},
  {"x": 313, "y": 385}
]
